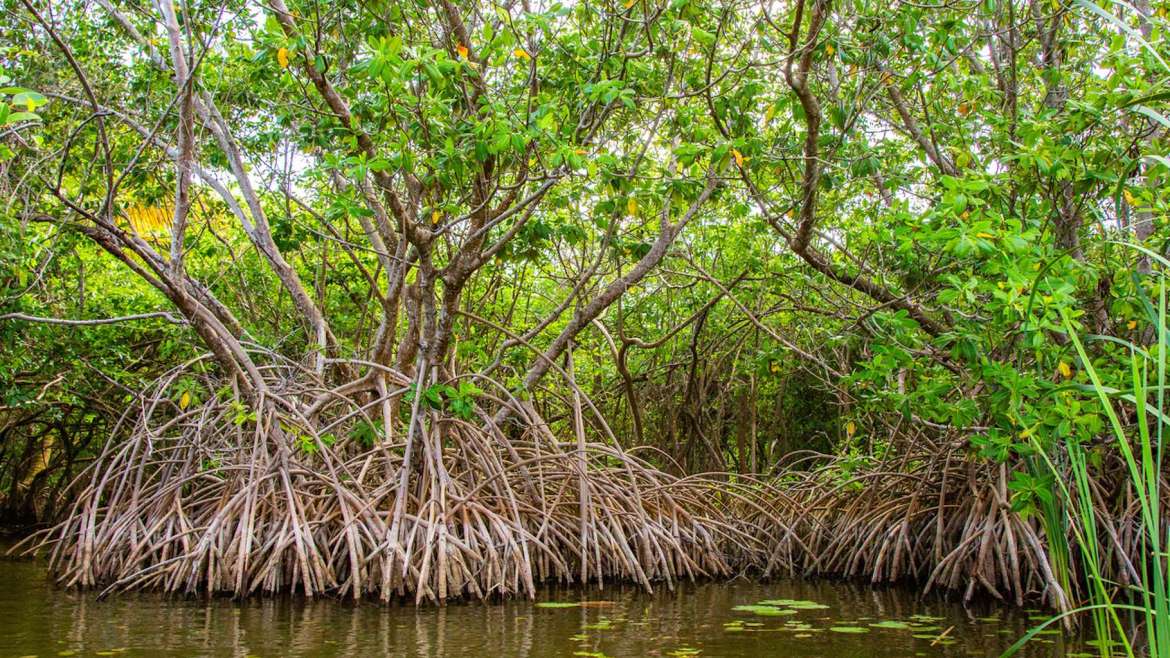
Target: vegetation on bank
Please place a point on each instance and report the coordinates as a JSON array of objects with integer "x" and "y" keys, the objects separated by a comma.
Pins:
[{"x": 440, "y": 299}]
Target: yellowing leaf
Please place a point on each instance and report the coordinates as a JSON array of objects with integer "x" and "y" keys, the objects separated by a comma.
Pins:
[
  {"x": 462, "y": 50},
  {"x": 1065, "y": 370},
  {"x": 738, "y": 157},
  {"x": 282, "y": 57},
  {"x": 630, "y": 3},
  {"x": 184, "y": 400},
  {"x": 1129, "y": 197},
  {"x": 829, "y": 49},
  {"x": 147, "y": 221},
  {"x": 771, "y": 112},
  {"x": 1132, "y": 324},
  {"x": 436, "y": 216},
  {"x": 521, "y": 53},
  {"x": 850, "y": 429},
  {"x": 984, "y": 234},
  {"x": 632, "y": 206}
]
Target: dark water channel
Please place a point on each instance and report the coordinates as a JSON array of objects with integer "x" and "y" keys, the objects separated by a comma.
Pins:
[{"x": 801, "y": 619}]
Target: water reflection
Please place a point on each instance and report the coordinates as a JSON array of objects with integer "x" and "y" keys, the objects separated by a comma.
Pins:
[{"x": 37, "y": 619}]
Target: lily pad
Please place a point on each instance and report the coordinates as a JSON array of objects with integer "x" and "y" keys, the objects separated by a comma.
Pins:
[
  {"x": 849, "y": 629},
  {"x": 896, "y": 625},
  {"x": 764, "y": 610},
  {"x": 808, "y": 605},
  {"x": 558, "y": 604}
]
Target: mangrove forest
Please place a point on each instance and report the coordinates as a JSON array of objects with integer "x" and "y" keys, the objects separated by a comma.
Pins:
[{"x": 842, "y": 319}]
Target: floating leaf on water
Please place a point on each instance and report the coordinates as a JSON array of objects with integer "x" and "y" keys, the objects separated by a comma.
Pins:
[
  {"x": 602, "y": 625},
  {"x": 899, "y": 625},
  {"x": 802, "y": 635},
  {"x": 848, "y": 629},
  {"x": 558, "y": 604},
  {"x": 808, "y": 605},
  {"x": 764, "y": 610}
]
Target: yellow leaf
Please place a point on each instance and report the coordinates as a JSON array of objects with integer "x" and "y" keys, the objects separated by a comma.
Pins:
[
  {"x": 632, "y": 206},
  {"x": 829, "y": 49},
  {"x": 436, "y": 216},
  {"x": 184, "y": 400},
  {"x": 580, "y": 151},
  {"x": 462, "y": 50},
  {"x": 521, "y": 53},
  {"x": 771, "y": 112},
  {"x": 984, "y": 235},
  {"x": 630, "y": 3},
  {"x": 1129, "y": 197},
  {"x": 1132, "y": 324},
  {"x": 738, "y": 157},
  {"x": 282, "y": 57},
  {"x": 774, "y": 367},
  {"x": 1065, "y": 370},
  {"x": 850, "y": 429}
]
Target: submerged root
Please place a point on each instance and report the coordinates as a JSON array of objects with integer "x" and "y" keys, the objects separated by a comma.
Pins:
[{"x": 279, "y": 495}]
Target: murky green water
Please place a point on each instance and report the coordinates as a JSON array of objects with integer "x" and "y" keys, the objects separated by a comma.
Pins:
[{"x": 38, "y": 619}]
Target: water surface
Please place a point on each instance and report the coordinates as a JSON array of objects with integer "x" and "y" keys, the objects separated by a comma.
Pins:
[{"x": 38, "y": 619}]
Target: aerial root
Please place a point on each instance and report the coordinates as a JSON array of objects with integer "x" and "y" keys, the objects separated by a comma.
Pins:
[
  {"x": 284, "y": 494},
  {"x": 228, "y": 497}
]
